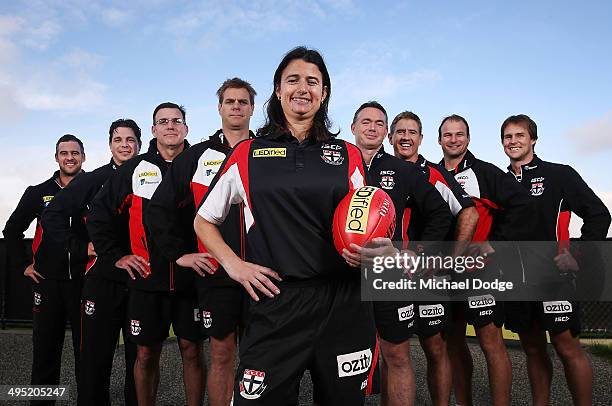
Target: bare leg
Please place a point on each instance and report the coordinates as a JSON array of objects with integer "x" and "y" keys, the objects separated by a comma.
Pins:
[
  {"x": 397, "y": 375},
  {"x": 439, "y": 378}
]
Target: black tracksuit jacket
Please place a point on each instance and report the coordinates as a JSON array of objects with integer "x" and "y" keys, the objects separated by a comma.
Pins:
[
  {"x": 50, "y": 259},
  {"x": 127, "y": 192},
  {"x": 171, "y": 211},
  {"x": 410, "y": 190},
  {"x": 290, "y": 190},
  {"x": 64, "y": 221}
]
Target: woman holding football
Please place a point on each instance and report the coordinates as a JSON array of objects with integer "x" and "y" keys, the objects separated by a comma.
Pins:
[{"x": 290, "y": 179}]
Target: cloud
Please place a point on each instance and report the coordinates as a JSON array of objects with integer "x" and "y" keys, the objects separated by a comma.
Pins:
[
  {"x": 594, "y": 136},
  {"x": 64, "y": 83},
  {"x": 115, "y": 16},
  {"x": 378, "y": 74}
]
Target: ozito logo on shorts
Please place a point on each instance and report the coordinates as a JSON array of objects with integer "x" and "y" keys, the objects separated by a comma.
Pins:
[
  {"x": 354, "y": 363},
  {"x": 561, "y": 306},
  {"x": 135, "y": 327},
  {"x": 90, "y": 307},
  {"x": 405, "y": 313},
  {"x": 435, "y": 310},
  {"x": 252, "y": 384},
  {"x": 206, "y": 319},
  {"x": 476, "y": 302}
]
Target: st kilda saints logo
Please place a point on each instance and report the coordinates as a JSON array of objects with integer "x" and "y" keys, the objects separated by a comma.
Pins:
[
  {"x": 37, "y": 299},
  {"x": 135, "y": 327},
  {"x": 537, "y": 186},
  {"x": 330, "y": 154},
  {"x": 90, "y": 307},
  {"x": 252, "y": 384},
  {"x": 206, "y": 319},
  {"x": 387, "y": 181}
]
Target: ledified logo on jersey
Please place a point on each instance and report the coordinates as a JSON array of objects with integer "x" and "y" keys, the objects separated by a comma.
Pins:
[
  {"x": 252, "y": 384},
  {"x": 90, "y": 307},
  {"x": 270, "y": 153},
  {"x": 135, "y": 327}
]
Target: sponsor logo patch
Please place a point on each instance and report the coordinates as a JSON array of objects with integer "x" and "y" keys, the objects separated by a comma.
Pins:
[
  {"x": 252, "y": 384},
  {"x": 476, "y": 302},
  {"x": 135, "y": 327},
  {"x": 206, "y": 319},
  {"x": 47, "y": 200},
  {"x": 561, "y": 306},
  {"x": 435, "y": 310},
  {"x": 37, "y": 299},
  {"x": 270, "y": 153},
  {"x": 354, "y": 363},
  {"x": 90, "y": 307},
  {"x": 405, "y": 313},
  {"x": 196, "y": 314},
  {"x": 331, "y": 155}
]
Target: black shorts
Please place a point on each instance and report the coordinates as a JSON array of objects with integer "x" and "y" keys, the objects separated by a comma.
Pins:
[
  {"x": 221, "y": 309},
  {"x": 553, "y": 316},
  {"x": 432, "y": 318},
  {"x": 150, "y": 315},
  {"x": 324, "y": 328},
  {"x": 395, "y": 321},
  {"x": 480, "y": 310}
]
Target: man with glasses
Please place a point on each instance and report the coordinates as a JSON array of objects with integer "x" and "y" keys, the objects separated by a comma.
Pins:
[
  {"x": 160, "y": 295},
  {"x": 170, "y": 218}
]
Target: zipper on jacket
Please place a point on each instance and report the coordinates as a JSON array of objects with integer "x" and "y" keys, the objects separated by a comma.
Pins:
[{"x": 171, "y": 276}]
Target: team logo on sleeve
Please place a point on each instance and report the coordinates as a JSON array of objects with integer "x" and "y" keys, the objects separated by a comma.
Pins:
[
  {"x": 37, "y": 299},
  {"x": 537, "y": 186},
  {"x": 252, "y": 384},
  {"x": 206, "y": 319},
  {"x": 90, "y": 307},
  {"x": 387, "y": 181},
  {"x": 330, "y": 154},
  {"x": 135, "y": 327}
]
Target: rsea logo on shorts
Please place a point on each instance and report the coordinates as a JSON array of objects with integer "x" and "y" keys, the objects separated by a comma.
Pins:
[
  {"x": 406, "y": 313},
  {"x": 476, "y": 302},
  {"x": 560, "y": 306},
  {"x": 354, "y": 363},
  {"x": 270, "y": 153},
  {"x": 435, "y": 310}
]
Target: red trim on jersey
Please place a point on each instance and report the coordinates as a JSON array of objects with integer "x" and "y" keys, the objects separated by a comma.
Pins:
[
  {"x": 369, "y": 387},
  {"x": 563, "y": 222},
  {"x": 138, "y": 238},
  {"x": 90, "y": 263},
  {"x": 355, "y": 161},
  {"x": 405, "y": 225},
  {"x": 240, "y": 156},
  {"x": 435, "y": 176},
  {"x": 485, "y": 209},
  {"x": 199, "y": 191},
  {"x": 37, "y": 239}
]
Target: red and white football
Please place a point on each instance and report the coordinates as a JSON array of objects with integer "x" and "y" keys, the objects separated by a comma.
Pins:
[{"x": 363, "y": 214}]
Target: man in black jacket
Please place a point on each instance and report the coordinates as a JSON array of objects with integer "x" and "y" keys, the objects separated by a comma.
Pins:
[
  {"x": 558, "y": 190},
  {"x": 104, "y": 297},
  {"x": 492, "y": 193},
  {"x": 170, "y": 216},
  {"x": 55, "y": 288},
  {"x": 160, "y": 295}
]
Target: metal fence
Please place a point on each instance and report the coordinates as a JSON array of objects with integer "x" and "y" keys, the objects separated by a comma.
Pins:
[{"x": 16, "y": 300}]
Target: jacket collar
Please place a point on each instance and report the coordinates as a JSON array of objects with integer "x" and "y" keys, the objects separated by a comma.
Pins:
[{"x": 466, "y": 163}]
